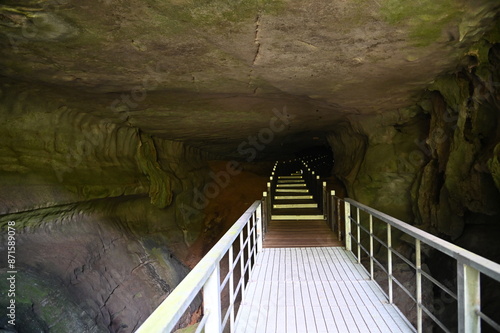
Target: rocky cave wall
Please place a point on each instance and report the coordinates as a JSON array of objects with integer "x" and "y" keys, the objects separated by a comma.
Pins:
[
  {"x": 434, "y": 165},
  {"x": 106, "y": 216}
]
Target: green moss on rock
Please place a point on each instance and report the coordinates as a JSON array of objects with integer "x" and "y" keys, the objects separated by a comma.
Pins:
[
  {"x": 425, "y": 19},
  {"x": 160, "y": 189},
  {"x": 217, "y": 11},
  {"x": 455, "y": 91},
  {"x": 494, "y": 166},
  {"x": 41, "y": 304}
]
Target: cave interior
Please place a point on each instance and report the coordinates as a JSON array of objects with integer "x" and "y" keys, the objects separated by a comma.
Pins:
[{"x": 117, "y": 115}]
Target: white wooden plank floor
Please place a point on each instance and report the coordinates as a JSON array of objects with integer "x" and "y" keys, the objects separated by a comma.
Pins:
[{"x": 318, "y": 289}]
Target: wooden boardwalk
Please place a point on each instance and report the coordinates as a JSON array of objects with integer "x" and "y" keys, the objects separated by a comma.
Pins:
[
  {"x": 312, "y": 233},
  {"x": 317, "y": 289}
]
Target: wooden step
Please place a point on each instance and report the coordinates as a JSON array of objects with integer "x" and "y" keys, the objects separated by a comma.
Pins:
[
  {"x": 292, "y": 190},
  {"x": 291, "y": 185},
  {"x": 296, "y": 233},
  {"x": 295, "y": 205},
  {"x": 297, "y": 217},
  {"x": 294, "y": 201},
  {"x": 291, "y": 181},
  {"x": 293, "y": 197}
]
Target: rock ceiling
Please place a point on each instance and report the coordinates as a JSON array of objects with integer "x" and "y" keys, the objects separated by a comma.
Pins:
[{"x": 212, "y": 73}]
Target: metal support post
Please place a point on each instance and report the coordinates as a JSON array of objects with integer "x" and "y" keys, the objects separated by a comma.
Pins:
[
  {"x": 389, "y": 262},
  {"x": 358, "y": 234},
  {"x": 347, "y": 226},
  {"x": 418, "y": 274},
  {"x": 324, "y": 198},
  {"x": 333, "y": 211},
  {"x": 231, "y": 291},
  {"x": 242, "y": 266},
  {"x": 211, "y": 302},
  {"x": 371, "y": 247},
  {"x": 469, "y": 298}
]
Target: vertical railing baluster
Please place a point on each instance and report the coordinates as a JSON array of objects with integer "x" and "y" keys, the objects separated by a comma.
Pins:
[
  {"x": 324, "y": 198},
  {"x": 242, "y": 265},
  {"x": 269, "y": 191},
  {"x": 265, "y": 216},
  {"x": 339, "y": 219},
  {"x": 249, "y": 249},
  {"x": 260, "y": 221},
  {"x": 347, "y": 223},
  {"x": 371, "y": 246},
  {"x": 358, "y": 233},
  {"x": 418, "y": 274},
  {"x": 389, "y": 262},
  {"x": 231, "y": 289},
  {"x": 212, "y": 302},
  {"x": 469, "y": 298},
  {"x": 254, "y": 221},
  {"x": 333, "y": 211},
  {"x": 319, "y": 190}
]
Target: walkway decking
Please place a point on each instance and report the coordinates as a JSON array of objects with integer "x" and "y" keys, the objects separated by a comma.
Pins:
[
  {"x": 313, "y": 233},
  {"x": 320, "y": 289}
]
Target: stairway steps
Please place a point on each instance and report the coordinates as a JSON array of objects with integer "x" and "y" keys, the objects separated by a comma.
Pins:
[
  {"x": 296, "y": 217},
  {"x": 293, "y": 197},
  {"x": 295, "y": 205},
  {"x": 299, "y": 211},
  {"x": 290, "y": 177},
  {"x": 294, "y": 201},
  {"x": 291, "y": 185},
  {"x": 291, "y": 181},
  {"x": 292, "y": 190}
]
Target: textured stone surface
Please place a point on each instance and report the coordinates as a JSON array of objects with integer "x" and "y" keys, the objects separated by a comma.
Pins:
[
  {"x": 111, "y": 111},
  {"x": 434, "y": 165},
  {"x": 172, "y": 64},
  {"x": 86, "y": 272}
]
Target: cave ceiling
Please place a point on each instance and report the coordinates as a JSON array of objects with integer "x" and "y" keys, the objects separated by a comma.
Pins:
[{"x": 212, "y": 73}]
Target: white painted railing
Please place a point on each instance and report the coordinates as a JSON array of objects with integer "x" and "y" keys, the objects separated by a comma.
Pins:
[
  {"x": 206, "y": 277},
  {"x": 469, "y": 266}
]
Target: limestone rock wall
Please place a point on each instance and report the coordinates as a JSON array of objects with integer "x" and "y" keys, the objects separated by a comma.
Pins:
[
  {"x": 101, "y": 239},
  {"x": 434, "y": 165}
]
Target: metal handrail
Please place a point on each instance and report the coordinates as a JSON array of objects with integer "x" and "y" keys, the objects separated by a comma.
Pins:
[
  {"x": 206, "y": 276},
  {"x": 469, "y": 265}
]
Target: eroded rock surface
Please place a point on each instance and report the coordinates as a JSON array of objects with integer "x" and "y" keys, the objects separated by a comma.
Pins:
[{"x": 112, "y": 110}]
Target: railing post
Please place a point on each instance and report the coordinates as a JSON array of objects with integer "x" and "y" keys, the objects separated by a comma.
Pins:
[
  {"x": 389, "y": 262},
  {"x": 267, "y": 209},
  {"x": 469, "y": 298},
  {"x": 269, "y": 190},
  {"x": 371, "y": 246},
  {"x": 249, "y": 249},
  {"x": 324, "y": 198},
  {"x": 254, "y": 222},
  {"x": 333, "y": 211},
  {"x": 231, "y": 291},
  {"x": 358, "y": 234},
  {"x": 261, "y": 227},
  {"x": 347, "y": 223},
  {"x": 339, "y": 219},
  {"x": 418, "y": 274},
  {"x": 212, "y": 303},
  {"x": 317, "y": 185},
  {"x": 242, "y": 266}
]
